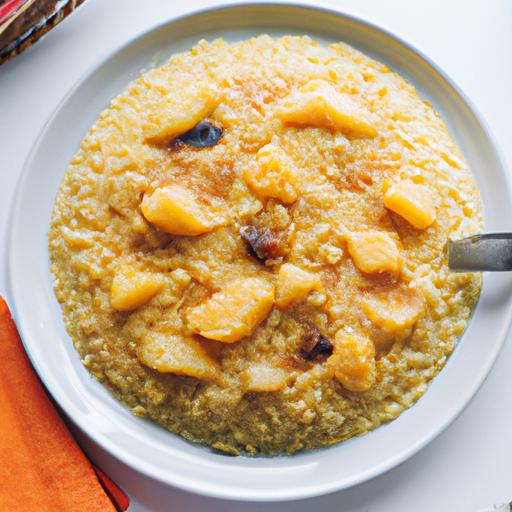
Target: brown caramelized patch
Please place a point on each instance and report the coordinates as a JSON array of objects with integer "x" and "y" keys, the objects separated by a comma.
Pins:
[
  {"x": 295, "y": 362},
  {"x": 379, "y": 282},
  {"x": 213, "y": 177},
  {"x": 264, "y": 243}
]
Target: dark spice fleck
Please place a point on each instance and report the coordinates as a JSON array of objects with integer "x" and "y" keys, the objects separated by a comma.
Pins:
[{"x": 263, "y": 243}]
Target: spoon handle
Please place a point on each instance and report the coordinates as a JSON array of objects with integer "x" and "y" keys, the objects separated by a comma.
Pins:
[{"x": 492, "y": 251}]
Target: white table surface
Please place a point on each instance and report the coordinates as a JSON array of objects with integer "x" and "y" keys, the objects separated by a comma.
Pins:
[{"x": 468, "y": 467}]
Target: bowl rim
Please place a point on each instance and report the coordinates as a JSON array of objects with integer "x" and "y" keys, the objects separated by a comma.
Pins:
[{"x": 184, "y": 483}]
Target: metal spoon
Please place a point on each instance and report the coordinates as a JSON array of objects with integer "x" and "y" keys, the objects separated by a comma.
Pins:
[{"x": 492, "y": 251}]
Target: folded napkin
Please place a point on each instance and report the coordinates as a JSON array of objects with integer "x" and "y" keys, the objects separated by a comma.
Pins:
[{"x": 42, "y": 468}]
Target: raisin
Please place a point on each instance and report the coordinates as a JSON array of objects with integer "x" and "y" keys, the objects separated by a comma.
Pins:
[
  {"x": 314, "y": 345},
  {"x": 203, "y": 135},
  {"x": 322, "y": 348},
  {"x": 263, "y": 242}
]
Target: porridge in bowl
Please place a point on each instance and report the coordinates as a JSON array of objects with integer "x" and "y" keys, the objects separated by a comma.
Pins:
[{"x": 249, "y": 245}]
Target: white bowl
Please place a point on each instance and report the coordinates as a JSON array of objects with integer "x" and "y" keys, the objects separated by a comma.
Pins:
[{"x": 145, "y": 446}]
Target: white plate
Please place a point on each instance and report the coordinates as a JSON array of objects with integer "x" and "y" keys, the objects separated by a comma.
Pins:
[{"x": 143, "y": 445}]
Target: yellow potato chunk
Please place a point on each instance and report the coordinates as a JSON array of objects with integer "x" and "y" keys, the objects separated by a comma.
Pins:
[
  {"x": 394, "y": 311},
  {"x": 235, "y": 311},
  {"x": 262, "y": 377},
  {"x": 131, "y": 288},
  {"x": 412, "y": 202},
  {"x": 317, "y": 103},
  {"x": 353, "y": 361},
  {"x": 175, "y": 210},
  {"x": 273, "y": 175},
  {"x": 294, "y": 285},
  {"x": 171, "y": 116},
  {"x": 169, "y": 353},
  {"x": 374, "y": 252}
]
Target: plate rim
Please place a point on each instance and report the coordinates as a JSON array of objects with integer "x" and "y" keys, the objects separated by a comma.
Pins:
[{"x": 227, "y": 492}]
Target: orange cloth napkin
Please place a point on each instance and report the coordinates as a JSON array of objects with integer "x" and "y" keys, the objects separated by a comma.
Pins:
[{"x": 42, "y": 469}]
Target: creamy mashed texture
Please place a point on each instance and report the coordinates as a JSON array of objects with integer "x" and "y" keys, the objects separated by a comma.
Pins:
[{"x": 249, "y": 245}]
